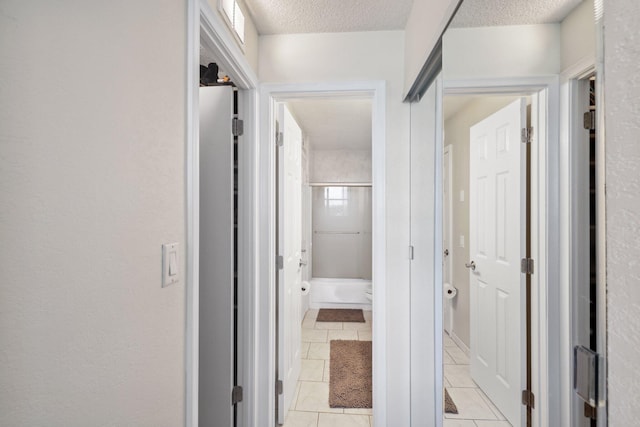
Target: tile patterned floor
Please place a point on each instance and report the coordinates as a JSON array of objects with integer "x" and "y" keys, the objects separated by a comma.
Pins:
[
  {"x": 310, "y": 407},
  {"x": 474, "y": 407}
]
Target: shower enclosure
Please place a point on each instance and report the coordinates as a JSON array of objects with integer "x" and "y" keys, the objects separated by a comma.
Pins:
[{"x": 341, "y": 242}]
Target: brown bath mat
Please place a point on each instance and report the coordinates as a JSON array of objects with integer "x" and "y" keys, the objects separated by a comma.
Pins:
[
  {"x": 340, "y": 315},
  {"x": 350, "y": 374},
  {"x": 449, "y": 406}
]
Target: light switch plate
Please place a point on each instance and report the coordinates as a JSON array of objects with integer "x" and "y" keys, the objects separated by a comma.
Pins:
[
  {"x": 461, "y": 240},
  {"x": 462, "y": 195},
  {"x": 170, "y": 263}
]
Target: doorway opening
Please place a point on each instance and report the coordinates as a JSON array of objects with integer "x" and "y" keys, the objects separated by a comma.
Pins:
[
  {"x": 324, "y": 287},
  {"x": 341, "y": 206},
  {"x": 489, "y": 312}
]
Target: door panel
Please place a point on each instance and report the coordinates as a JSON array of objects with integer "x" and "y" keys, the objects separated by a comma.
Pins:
[
  {"x": 497, "y": 215},
  {"x": 216, "y": 257},
  {"x": 289, "y": 246}
]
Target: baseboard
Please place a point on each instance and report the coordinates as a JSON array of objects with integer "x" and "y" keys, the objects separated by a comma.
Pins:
[{"x": 460, "y": 344}]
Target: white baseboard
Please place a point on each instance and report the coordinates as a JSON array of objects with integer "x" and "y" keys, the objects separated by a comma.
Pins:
[
  {"x": 318, "y": 305},
  {"x": 460, "y": 344}
]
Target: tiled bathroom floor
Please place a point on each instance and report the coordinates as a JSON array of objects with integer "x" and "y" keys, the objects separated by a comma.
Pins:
[
  {"x": 310, "y": 407},
  {"x": 474, "y": 407}
]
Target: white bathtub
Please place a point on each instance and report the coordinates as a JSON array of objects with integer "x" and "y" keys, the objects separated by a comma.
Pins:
[{"x": 339, "y": 293}]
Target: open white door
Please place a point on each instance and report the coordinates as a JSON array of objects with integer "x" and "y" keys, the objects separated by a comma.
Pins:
[
  {"x": 289, "y": 245},
  {"x": 447, "y": 272},
  {"x": 497, "y": 244}
]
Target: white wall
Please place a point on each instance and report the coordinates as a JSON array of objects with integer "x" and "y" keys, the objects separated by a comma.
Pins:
[
  {"x": 578, "y": 36},
  {"x": 622, "y": 91},
  {"x": 341, "y": 166},
  {"x": 494, "y": 52},
  {"x": 92, "y": 142},
  {"x": 357, "y": 57},
  {"x": 456, "y": 133},
  {"x": 424, "y": 26}
]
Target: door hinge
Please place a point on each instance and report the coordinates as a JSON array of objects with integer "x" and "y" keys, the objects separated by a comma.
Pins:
[
  {"x": 528, "y": 399},
  {"x": 237, "y": 127},
  {"x": 526, "y": 266},
  {"x": 526, "y": 135},
  {"x": 279, "y": 139},
  {"x": 589, "y": 120},
  {"x": 279, "y": 387},
  {"x": 279, "y": 262},
  {"x": 590, "y": 411},
  {"x": 411, "y": 252},
  {"x": 236, "y": 395}
]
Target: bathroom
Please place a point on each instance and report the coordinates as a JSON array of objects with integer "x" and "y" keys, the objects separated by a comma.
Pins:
[{"x": 336, "y": 250}]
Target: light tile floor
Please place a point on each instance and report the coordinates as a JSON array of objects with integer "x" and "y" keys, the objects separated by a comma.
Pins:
[
  {"x": 474, "y": 407},
  {"x": 310, "y": 407}
]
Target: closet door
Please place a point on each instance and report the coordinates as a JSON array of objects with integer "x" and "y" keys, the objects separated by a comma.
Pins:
[
  {"x": 216, "y": 358},
  {"x": 426, "y": 247}
]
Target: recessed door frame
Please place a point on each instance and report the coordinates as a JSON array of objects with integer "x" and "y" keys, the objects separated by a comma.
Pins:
[
  {"x": 545, "y": 223},
  {"x": 205, "y": 28},
  {"x": 264, "y": 368}
]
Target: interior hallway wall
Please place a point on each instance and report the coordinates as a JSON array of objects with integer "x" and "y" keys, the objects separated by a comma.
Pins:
[
  {"x": 333, "y": 57},
  {"x": 456, "y": 133},
  {"x": 578, "y": 35},
  {"x": 92, "y": 177},
  {"x": 341, "y": 166},
  {"x": 622, "y": 91}
]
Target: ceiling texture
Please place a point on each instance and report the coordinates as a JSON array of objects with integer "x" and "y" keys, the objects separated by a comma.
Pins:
[
  {"x": 334, "y": 123},
  {"x": 486, "y": 13},
  {"x": 328, "y": 16}
]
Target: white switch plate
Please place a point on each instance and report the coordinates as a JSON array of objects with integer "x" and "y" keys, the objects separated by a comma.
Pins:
[
  {"x": 462, "y": 195},
  {"x": 462, "y": 240},
  {"x": 170, "y": 264}
]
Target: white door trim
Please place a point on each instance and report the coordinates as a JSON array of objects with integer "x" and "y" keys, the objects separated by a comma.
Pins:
[
  {"x": 205, "y": 26},
  {"x": 545, "y": 221},
  {"x": 265, "y": 302},
  {"x": 449, "y": 149}
]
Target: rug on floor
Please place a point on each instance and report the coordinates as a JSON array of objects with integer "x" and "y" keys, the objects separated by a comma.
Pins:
[
  {"x": 350, "y": 374},
  {"x": 449, "y": 406},
  {"x": 340, "y": 315}
]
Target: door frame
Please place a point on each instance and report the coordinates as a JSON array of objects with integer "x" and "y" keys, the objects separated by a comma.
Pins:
[
  {"x": 545, "y": 222},
  {"x": 264, "y": 368},
  {"x": 449, "y": 149},
  {"x": 205, "y": 27}
]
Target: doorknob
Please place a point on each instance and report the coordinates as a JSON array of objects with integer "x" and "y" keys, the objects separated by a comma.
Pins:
[
  {"x": 302, "y": 263},
  {"x": 471, "y": 265},
  {"x": 446, "y": 252}
]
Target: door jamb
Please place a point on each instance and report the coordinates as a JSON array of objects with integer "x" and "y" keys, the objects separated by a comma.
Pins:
[
  {"x": 265, "y": 301},
  {"x": 545, "y": 222},
  {"x": 449, "y": 149},
  {"x": 205, "y": 26}
]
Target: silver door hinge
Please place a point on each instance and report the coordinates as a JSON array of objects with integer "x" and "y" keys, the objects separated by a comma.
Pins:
[
  {"x": 526, "y": 135},
  {"x": 236, "y": 395},
  {"x": 589, "y": 120},
  {"x": 410, "y": 252},
  {"x": 279, "y": 387},
  {"x": 526, "y": 266},
  {"x": 279, "y": 139},
  {"x": 528, "y": 399},
  {"x": 279, "y": 262},
  {"x": 237, "y": 127}
]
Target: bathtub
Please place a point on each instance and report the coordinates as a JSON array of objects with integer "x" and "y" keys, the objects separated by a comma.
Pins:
[{"x": 339, "y": 293}]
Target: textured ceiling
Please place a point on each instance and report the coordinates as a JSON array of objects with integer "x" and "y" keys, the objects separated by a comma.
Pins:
[
  {"x": 482, "y": 13},
  {"x": 334, "y": 124},
  {"x": 325, "y": 16}
]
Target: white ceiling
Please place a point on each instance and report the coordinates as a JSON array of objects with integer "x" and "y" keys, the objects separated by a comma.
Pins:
[
  {"x": 484, "y": 13},
  {"x": 324, "y": 16},
  {"x": 334, "y": 123}
]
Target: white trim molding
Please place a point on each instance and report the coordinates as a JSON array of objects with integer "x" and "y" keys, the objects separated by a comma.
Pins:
[
  {"x": 266, "y": 217},
  {"x": 205, "y": 28}
]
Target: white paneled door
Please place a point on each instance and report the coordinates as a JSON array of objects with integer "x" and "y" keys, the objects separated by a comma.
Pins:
[
  {"x": 289, "y": 247},
  {"x": 497, "y": 244}
]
